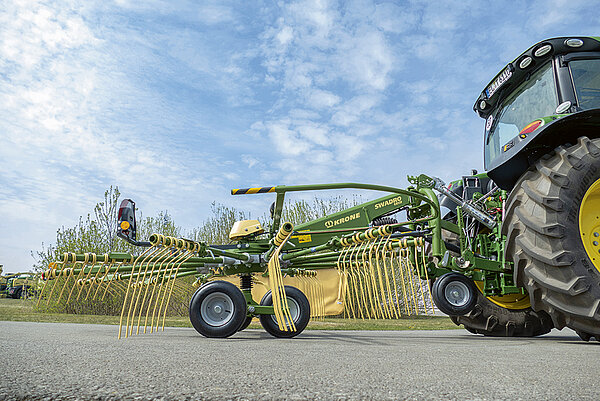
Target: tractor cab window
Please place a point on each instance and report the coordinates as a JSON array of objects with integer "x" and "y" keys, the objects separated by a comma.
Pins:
[
  {"x": 586, "y": 77},
  {"x": 533, "y": 99}
]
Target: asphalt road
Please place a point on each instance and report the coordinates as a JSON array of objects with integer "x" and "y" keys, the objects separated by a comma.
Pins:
[{"x": 76, "y": 361}]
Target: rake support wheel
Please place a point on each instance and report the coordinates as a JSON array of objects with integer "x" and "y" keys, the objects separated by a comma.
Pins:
[
  {"x": 454, "y": 294},
  {"x": 217, "y": 309},
  {"x": 553, "y": 218},
  {"x": 299, "y": 311}
]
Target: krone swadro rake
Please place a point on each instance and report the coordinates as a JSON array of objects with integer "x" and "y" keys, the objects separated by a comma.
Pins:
[{"x": 360, "y": 262}]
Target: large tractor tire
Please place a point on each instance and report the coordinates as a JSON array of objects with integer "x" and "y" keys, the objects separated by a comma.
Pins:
[{"x": 553, "y": 236}]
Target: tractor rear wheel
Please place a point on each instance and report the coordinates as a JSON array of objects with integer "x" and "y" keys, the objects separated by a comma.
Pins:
[{"x": 553, "y": 235}]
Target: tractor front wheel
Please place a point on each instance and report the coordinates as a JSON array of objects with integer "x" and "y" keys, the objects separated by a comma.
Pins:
[
  {"x": 553, "y": 235},
  {"x": 217, "y": 309}
]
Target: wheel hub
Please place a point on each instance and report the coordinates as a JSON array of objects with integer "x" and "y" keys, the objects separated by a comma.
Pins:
[
  {"x": 217, "y": 309},
  {"x": 589, "y": 223},
  {"x": 294, "y": 309},
  {"x": 457, "y": 293}
]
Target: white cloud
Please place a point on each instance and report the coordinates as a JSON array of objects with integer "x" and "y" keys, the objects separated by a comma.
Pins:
[
  {"x": 250, "y": 160},
  {"x": 287, "y": 141},
  {"x": 320, "y": 99}
]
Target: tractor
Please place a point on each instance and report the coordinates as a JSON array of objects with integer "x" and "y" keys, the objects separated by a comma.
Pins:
[
  {"x": 514, "y": 251},
  {"x": 542, "y": 144}
]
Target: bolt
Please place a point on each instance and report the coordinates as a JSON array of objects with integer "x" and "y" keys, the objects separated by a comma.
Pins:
[{"x": 251, "y": 309}]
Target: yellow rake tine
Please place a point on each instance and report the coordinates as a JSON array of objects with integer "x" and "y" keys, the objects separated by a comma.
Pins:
[
  {"x": 95, "y": 278},
  {"x": 376, "y": 294},
  {"x": 69, "y": 274},
  {"x": 381, "y": 287},
  {"x": 420, "y": 281},
  {"x": 56, "y": 280},
  {"x": 394, "y": 256},
  {"x": 362, "y": 279},
  {"x": 86, "y": 277},
  {"x": 57, "y": 277},
  {"x": 367, "y": 287},
  {"x": 319, "y": 286},
  {"x": 115, "y": 278},
  {"x": 132, "y": 308},
  {"x": 190, "y": 254},
  {"x": 387, "y": 278},
  {"x": 152, "y": 298},
  {"x": 140, "y": 280},
  {"x": 127, "y": 293},
  {"x": 405, "y": 282},
  {"x": 352, "y": 291},
  {"x": 106, "y": 270},
  {"x": 357, "y": 284},
  {"x": 161, "y": 288},
  {"x": 373, "y": 283},
  {"x": 83, "y": 264},
  {"x": 428, "y": 286},
  {"x": 410, "y": 268},
  {"x": 278, "y": 294},
  {"x": 165, "y": 291},
  {"x": 344, "y": 285},
  {"x": 159, "y": 255},
  {"x": 44, "y": 287}
]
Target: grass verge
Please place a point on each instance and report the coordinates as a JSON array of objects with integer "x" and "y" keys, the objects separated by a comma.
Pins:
[{"x": 23, "y": 310}]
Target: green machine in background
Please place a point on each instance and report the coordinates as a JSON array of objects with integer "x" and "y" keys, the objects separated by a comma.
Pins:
[
  {"x": 511, "y": 252},
  {"x": 18, "y": 285}
]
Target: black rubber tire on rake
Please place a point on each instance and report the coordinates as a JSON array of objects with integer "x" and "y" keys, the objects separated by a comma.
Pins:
[
  {"x": 467, "y": 288},
  {"x": 246, "y": 323},
  {"x": 544, "y": 239},
  {"x": 300, "y": 320},
  {"x": 217, "y": 309}
]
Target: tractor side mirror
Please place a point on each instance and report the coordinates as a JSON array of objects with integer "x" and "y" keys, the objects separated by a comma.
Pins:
[{"x": 126, "y": 221}]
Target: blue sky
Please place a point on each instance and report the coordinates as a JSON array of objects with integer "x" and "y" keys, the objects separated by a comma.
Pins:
[{"x": 178, "y": 102}]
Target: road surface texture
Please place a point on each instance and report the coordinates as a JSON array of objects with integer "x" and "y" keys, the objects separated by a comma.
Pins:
[{"x": 77, "y": 361}]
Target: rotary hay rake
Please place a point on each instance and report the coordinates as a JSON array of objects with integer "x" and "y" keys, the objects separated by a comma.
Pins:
[{"x": 344, "y": 263}]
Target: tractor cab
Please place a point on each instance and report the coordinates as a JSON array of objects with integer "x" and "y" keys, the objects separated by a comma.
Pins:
[{"x": 550, "y": 91}]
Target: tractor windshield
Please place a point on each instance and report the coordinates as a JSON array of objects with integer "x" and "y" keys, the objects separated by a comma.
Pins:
[
  {"x": 533, "y": 99},
  {"x": 586, "y": 77}
]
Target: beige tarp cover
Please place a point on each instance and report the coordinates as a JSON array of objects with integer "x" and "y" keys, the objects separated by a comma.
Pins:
[{"x": 331, "y": 282}]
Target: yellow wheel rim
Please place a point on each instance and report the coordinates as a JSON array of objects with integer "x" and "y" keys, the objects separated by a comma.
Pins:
[
  {"x": 510, "y": 301},
  {"x": 589, "y": 223}
]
